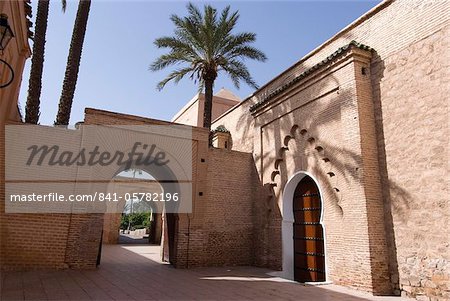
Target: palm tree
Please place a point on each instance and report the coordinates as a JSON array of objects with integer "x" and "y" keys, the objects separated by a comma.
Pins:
[
  {"x": 73, "y": 63},
  {"x": 37, "y": 62},
  {"x": 204, "y": 44}
]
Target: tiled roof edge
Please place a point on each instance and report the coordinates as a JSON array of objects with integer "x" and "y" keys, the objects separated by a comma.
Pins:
[
  {"x": 221, "y": 129},
  {"x": 308, "y": 71}
]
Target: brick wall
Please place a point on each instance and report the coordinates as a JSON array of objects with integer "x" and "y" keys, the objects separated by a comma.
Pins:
[
  {"x": 325, "y": 126},
  {"x": 221, "y": 227},
  {"x": 411, "y": 97},
  {"x": 410, "y": 87},
  {"x": 34, "y": 240},
  {"x": 31, "y": 241}
]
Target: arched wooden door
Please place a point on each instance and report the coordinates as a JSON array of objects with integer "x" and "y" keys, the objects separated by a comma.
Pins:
[{"x": 309, "y": 251}]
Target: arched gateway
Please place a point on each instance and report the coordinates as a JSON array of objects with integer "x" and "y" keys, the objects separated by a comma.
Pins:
[
  {"x": 303, "y": 232},
  {"x": 309, "y": 251}
]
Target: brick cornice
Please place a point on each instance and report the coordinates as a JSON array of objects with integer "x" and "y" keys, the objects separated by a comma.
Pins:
[{"x": 357, "y": 49}]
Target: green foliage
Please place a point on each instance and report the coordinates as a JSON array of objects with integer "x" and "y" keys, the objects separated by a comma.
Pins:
[
  {"x": 204, "y": 43},
  {"x": 221, "y": 128},
  {"x": 124, "y": 222},
  {"x": 138, "y": 220}
]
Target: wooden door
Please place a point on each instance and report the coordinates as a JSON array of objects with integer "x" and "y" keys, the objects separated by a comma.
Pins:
[{"x": 309, "y": 252}]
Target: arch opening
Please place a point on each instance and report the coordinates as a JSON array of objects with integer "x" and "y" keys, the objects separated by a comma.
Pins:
[
  {"x": 135, "y": 185},
  {"x": 303, "y": 232},
  {"x": 140, "y": 220}
]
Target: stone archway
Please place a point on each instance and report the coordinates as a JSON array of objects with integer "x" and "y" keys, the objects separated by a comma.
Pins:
[
  {"x": 167, "y": 211},
  {"x": 137, "y": 183},
  {"x": 138, "y": 147},
  {"x": 288, "y": 223}
]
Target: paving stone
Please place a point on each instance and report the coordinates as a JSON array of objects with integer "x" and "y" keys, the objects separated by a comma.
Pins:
[{"x": 135, "y": 272}]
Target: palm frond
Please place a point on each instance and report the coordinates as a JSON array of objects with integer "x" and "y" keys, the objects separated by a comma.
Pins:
[
  {"x": 237, "y": 72},
  {"x": 187, "y": 31},
  {"x": 175, "y": 75},
  {"x": 204, "y": 43},
  {"x": 194, "y": 13},
  {"x": 247, "y": 52},
  {"x": 167, "y": 60},
  {"x": 239, "y": 40},
  {"x": 208, "y": 30},
  {"x": 225, "y": 26}
]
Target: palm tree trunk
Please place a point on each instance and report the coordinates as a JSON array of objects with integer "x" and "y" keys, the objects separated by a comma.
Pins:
[
  {"x": 73, "y": 63},
  {"x": 207, "y": 112},
  {"x": 37, "y": 64}
]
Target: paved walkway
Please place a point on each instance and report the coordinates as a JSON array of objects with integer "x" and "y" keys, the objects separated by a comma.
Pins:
[
  {"x": 133, "y": 272},
  {"x": 130, "y": 239}
]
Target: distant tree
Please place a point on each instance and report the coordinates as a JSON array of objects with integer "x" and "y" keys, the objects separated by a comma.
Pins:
[
  {"x": 205, "y": 45},
  {"x": 137, "y": 220},
  {"x": 124, "y": 221},
  {"x": 37, "y": 62},
  {"x": 73, "y": 63}
]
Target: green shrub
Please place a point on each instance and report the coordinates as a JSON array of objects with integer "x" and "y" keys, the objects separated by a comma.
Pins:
[{"x": 138, "y": 220}]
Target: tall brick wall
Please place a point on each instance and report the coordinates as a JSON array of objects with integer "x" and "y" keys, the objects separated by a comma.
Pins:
[
  {"x": 221, "y": 226},
  {"x": 34, "y": 240},
  {"x": 410, "y": 87},
  {"x": 325, "y": 126}
]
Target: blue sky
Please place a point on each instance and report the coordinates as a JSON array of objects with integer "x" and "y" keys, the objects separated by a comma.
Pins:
[{"x": 119, "y": 48}]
